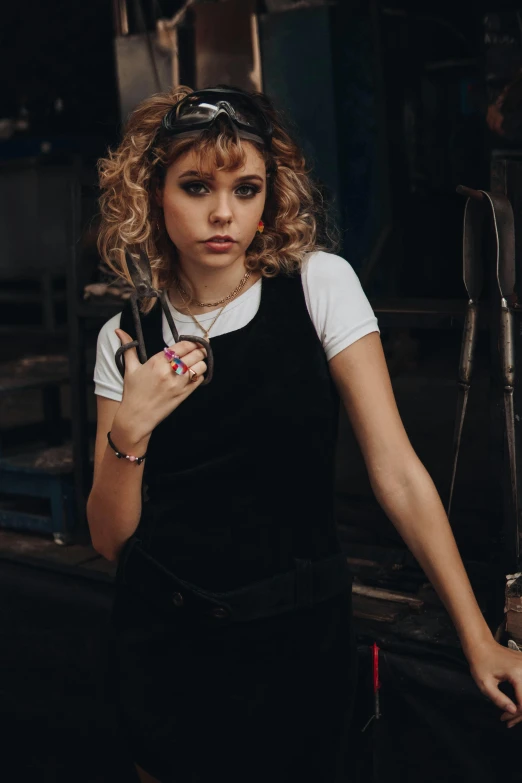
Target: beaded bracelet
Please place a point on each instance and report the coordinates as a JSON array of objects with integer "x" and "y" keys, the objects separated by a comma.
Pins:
[{"x": 119, "y": 454}]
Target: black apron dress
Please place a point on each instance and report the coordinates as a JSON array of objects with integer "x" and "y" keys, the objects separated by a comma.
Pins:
[{"x": 238, "y": 483}]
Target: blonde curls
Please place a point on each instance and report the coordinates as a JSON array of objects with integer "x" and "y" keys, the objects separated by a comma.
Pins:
[{"x": 294, "y": 216}]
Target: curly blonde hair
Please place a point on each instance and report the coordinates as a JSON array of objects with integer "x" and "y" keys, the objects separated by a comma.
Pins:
[{"x": 130, "y": 176}]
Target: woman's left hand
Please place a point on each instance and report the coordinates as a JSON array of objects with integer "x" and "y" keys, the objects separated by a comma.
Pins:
[{"x": 490, "y": 664}]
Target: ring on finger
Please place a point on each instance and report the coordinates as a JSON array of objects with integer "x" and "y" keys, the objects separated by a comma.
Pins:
[
  {"x": 193, "y": 375},
  {"x": 179, "y": 366},
  {"x": 170, "y": 353}
]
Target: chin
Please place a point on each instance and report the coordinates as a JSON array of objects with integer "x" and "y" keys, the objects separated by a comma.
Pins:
[{"x": 227, "y": 258}]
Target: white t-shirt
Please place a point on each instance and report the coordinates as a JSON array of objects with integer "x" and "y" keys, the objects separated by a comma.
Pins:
[{"x": 336, "y": 303}]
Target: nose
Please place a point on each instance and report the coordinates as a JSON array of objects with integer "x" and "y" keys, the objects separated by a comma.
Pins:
[{"x": 221, "y": 211}]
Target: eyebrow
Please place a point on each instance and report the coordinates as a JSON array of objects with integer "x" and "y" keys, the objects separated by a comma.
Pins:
[{"x": 210, "y": 177}]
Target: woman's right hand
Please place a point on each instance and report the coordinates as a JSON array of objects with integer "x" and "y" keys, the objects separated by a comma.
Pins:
[{"x": 151, "y": 391}]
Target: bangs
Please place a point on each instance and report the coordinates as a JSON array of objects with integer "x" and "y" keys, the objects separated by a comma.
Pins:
[
  {"x": 214, "y": 150},
  {"x": 220, "y": 152}
]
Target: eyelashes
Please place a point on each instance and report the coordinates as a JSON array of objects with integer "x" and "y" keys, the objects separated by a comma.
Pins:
[{"x": 189, "y": 187}]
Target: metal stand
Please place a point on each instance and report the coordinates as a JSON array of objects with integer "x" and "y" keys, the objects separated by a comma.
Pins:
[{"x": 489, "y": 253}]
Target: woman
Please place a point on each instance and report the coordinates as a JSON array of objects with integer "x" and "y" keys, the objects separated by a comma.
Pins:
[{"x": 232, "y": 644}]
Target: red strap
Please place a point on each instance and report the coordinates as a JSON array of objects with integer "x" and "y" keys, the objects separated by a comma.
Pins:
[{"x": 376, "y": 683}]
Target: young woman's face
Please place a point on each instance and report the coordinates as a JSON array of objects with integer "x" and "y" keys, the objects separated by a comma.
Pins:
[{"x": 222, "y": 203}]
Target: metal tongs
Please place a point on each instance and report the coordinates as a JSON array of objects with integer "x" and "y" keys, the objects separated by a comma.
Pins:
[
  {"x": 141, "y": 275},
  {"x": 479, "y": 203}
]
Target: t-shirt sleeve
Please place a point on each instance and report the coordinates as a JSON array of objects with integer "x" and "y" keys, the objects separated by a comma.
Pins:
[
  {"x": 336, "y": 302},
  {"x": 107, "y": 379}
]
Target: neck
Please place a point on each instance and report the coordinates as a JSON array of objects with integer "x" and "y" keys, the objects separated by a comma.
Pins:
[{"x": 210, "y": 285}]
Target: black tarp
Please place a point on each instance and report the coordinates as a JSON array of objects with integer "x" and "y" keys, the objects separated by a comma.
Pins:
[{"x": 435, "y": 724}]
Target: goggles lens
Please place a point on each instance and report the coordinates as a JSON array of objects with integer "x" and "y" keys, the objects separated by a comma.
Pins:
[{"x": 199, "y": 110}]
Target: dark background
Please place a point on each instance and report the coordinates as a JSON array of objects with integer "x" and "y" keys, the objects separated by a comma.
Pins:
[
  {"x": 405, "y": 86},
  {"x": 400, "y": 91}
]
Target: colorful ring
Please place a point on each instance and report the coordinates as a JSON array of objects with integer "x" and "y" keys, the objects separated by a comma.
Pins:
[
  {"x": 170, "y": 354},
  {"x": 179, "y": 366}
]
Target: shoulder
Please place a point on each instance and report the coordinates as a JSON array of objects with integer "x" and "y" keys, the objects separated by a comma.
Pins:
[
  {"x": 107, "y": 379},
  {"x": 337, "y": 304},
  {"x": 323, "y": 268},
  {"x": 331, "y": 278},
  {"x": 106, "y": 335}
]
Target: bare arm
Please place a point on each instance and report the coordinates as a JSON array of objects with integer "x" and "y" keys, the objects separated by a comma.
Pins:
[
  {"x": 151, "y": 392},
  {"x": 406, "y": 493},
  {"x": 401, "y": 483},
  {"x": 114, "y": 504}
]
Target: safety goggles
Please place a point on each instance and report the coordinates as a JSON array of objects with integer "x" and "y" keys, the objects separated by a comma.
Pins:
[{"x": 200, "y": 109}]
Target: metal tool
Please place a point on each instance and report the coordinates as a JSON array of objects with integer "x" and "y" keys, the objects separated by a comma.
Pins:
[
  {"x": 473, "y": 280},
  {"x": 480, "y": 203},
  {"x": 141, "y": 275}
]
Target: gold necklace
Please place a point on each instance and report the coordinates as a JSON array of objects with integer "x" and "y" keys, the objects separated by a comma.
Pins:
[
  {"x": 205, "y": 331},
  {"x": 236, "y": 290}
]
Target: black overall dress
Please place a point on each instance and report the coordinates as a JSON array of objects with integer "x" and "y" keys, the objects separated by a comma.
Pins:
[{"x": 239, "y": 481}]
